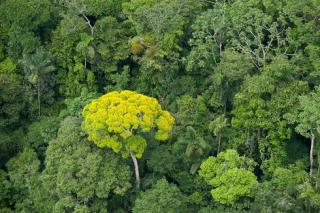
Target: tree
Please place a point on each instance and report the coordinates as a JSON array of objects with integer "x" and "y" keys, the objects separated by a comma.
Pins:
[
  {"x": 80, "y": 176},
  {"x": 5, "y": 186},
  {"x": 23, "y": 172},
  {"x": 259, "y": 108},
  {"x": 227, "y": 77},
  {"x": 12, "y": 95},
  {"x": 284, "y": 192},
  {"x": 40, "y": 133},
  {"x": 118, "y": 120},
  {"x": 37, "y": 67},
  {"x": 230, "y": 175},
  {"x": 85, "y": 49},
  {"x": 308, "y": 120},
  {"x": 217, "y": 126},
  {"x": 27, "y": 24},
  {"x": 193, "y": 112},
  {"x": 162, "y": 197},
  {"x": 209, "y": 38}
]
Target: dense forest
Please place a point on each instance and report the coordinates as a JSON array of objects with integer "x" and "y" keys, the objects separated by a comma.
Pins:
[{"x": 159, "y": 106}]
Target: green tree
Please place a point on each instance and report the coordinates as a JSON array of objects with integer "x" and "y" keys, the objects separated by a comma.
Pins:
[
  {"x": 23, "y": 172},
  {"x": 282, "y": 192},
  {"x": 217, "y": 126},
  {"x": 230, "y": 175},
  {"x": 162, "y": 197},
  {"x": 23, "y": 21},
  {"x": 259, "y": 109},
  {"x": 78, "y": 176},
  {"x": 40, "y": 133},
  {"x": 37, "y": 66},
  {"x": 12, "y": 95},
  {"x": 5, "y": 194},
  {"x": 308, "y": 120}
]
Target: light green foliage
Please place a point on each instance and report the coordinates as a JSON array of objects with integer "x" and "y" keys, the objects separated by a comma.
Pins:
[
  {"x": 9, "y": 69},
  {"x": 84, "y": 47},
  {"x": 308, "y": 117},
  {"x": 310, "y": 196},
  {"x": 162, "y": 197},
  {"x": 287, "y": 179},
  {"x": 113, "y": 120},
  {"x": 79, "y": 176},
  {"x": 230, "y": 175},
  {"x": 232, "y": 184},
  {"x": 259, "y": 110}
]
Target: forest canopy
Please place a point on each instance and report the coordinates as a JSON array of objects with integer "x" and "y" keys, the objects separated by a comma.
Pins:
[{"x": 159, "y": 106}]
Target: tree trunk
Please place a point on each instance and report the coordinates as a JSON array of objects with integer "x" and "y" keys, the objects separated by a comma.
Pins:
[
  {"x": 219, "y": 142},
  {"x": 136, "y": 169},
  {"x": 89, "y": 24},
  {"x": 39, "y": 95},
  {"x": 318, "y": 172},
  {"x": 311, "y": 153}
]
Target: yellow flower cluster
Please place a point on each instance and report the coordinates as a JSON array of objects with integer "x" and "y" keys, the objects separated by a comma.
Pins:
[{"x": 113, "y": 120}]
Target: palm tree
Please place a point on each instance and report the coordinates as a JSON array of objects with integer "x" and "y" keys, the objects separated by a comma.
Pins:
[{"x": 37, "y": 66}]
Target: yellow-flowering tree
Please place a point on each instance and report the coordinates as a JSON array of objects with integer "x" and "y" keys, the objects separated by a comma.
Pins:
[{"x": 117, "y": 120}]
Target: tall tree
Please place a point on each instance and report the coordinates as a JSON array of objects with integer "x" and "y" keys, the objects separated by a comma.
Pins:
[
  {"x": 79, "y": 176},
  {"x": 37, "y": 67},
  {"x": 308, "y": 120},
  {"x": 230, "y": 175},
  {"x": 118, "y": 120}
]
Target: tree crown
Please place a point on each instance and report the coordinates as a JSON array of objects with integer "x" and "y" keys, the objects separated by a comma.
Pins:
[{"x": 116, "y": 119}]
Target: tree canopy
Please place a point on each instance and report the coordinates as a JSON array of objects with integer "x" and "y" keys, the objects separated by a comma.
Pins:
[{"x": 159, "y": 106}]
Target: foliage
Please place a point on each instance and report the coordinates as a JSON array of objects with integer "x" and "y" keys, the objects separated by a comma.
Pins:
[
  {"x": 230, "y": 175},
  {"x": 41, "y": 132},
  {"x": 78, "y": 175},
  {"x": 114, "y": 119},
  {"x": 240, "y": 79},
  {"x": 162, "y": 197}
]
